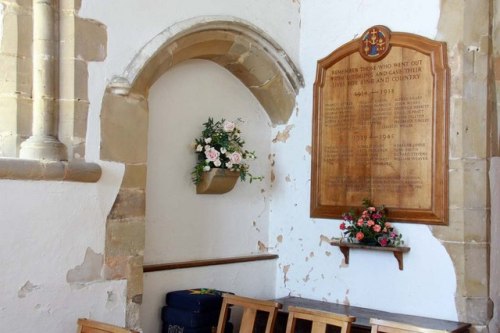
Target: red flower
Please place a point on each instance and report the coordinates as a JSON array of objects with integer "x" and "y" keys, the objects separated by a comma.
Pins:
[
  {"x": 342, "y": 226},
  {"x": 360, "y": 235},
  {"x": 383, "y": 241}
]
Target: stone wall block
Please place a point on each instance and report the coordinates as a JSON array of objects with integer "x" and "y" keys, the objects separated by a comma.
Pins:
[
  {"x": 18, "y": 41},
  {"x": 16, "y": 75},
  {"x": 70, "y": 5},
  {"x": 91, "y": 39},
  {"x": 73, "y": 116},
  {"x": 124, "y": 129},
  {"x": 125, "y": 237},
  {"x": 474, "y": 310},
  {"x": 135, "y": 176},
  {"x": 457, "y": 254},
  {"x": 15, "y": 125},
  {"x": 468, "y": 184},
  {"x": 456, "y": 133},
  {"x": 129, "y": 203},
  {"x": 115, "y": 267},
  {"x": 73, "y": 84},
  {"x": 476, "y": 269},
  {"x": 278, "y": 105},
  {"x": 135, "y": 278}
]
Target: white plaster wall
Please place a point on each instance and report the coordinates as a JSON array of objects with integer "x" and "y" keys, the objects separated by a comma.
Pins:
[
  {"x": 182, "y": 225},
  {"x": 47, "y": 228},
  {"x": 1, "y": 20},
  {"x": 309, "y": 266}
]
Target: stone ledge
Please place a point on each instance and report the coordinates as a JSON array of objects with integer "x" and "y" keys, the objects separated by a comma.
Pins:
[{"x": 22, "y": 169}]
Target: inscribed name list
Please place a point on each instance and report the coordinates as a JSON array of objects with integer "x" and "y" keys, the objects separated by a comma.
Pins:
[{"x": 376, "y": 124}]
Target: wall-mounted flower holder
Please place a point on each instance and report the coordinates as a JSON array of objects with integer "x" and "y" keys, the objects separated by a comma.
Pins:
[
  {"x": 396, "y": 250},
  {"x": 217, "y": 181}
]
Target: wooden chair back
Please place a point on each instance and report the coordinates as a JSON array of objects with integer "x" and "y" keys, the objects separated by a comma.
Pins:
[
  {"x": 250, "y": 306},
  {"x": 92, "y": 326},
  {"x": 385, "y": 326},
  {"x": 319, "y": 319}
]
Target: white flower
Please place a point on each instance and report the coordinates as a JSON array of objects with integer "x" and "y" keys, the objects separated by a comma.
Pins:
[
  {"x": 208, "y": 140},
  {"x": 229, "y": 165},
  {"x": 223, "y": 150},
  {"x": 207, "y": 147},
  {"x": 228, "y": 126},
  {"x": 206, "y": 168},
  {"x": 212, "y": 154},
  {"x": 235, "y": 158},
  {"x": 217, "y": 163},
  {"x": 199, "y": 148}
]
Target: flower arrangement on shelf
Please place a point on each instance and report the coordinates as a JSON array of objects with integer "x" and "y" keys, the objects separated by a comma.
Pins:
[
  {"x": 221, "y": 146},
  {"x": 370, "y": 227}
]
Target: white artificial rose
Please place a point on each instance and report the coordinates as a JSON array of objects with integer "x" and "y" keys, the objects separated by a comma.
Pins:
[
  {"x": 212, "y": 154},
  {"x": 199, "y": 148},
  {"x": 235, "y": 158},
  {"x": 208, "y": 140},
  {"x": 206, "y": 168},
  {"x": 223, "y": 150},
  {"x": 228, "y": 126},
  {"x": 229, "y": 165},
  {"x": 217, "y": 163}
]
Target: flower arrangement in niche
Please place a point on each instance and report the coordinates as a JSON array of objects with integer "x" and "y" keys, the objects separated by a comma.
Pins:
[
  {"x": 221, "y": 146},
  {"x": 370, "y": 227}
]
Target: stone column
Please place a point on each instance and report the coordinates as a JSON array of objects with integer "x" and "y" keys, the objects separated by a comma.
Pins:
[{"x": 43, "y": 143}]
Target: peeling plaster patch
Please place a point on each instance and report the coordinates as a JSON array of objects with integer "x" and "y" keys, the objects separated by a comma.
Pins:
[
  {"x": 308, "y": 149},
  {"x": 307, "y": 277},
  {"x": 324, "y": 238},
  {"x": 255, "y": 226},
  {"x": 346, "y": 299},
  {"x": 271, "y": 158},
  {"x": 288, "y": 179},
  {"x": 88, "y": 271},
  {"x": 286, "y": 268},
  {"x": 26, "y": 289},
  {"x": 280, "y": 239},
  {"x": 328, "y": 253},
  {"x": 273, "y": 176},
  {"x": 311, "y": 254},
  {"x": 283, "y": 136},
  {"x": 262, "y": 246},
  {"x": 112, "y": 300}
]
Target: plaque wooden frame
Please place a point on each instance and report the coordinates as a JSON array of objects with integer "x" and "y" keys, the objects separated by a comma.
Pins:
[{"x": 428, "y": 205}]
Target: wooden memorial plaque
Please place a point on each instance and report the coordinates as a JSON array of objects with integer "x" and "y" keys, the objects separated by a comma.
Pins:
[{"x": 380, "y": 128}]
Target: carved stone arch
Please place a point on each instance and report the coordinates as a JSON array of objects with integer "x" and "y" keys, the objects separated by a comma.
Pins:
[
  {"x": 243, "y": 49},
  {"x": 246, "y": 51}
]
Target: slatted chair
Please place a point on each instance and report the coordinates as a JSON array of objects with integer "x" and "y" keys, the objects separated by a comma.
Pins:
[
  {"x": 250, "y": 307},
  {"x": 385, "y": 326},
  {"x": 320, "y": 320},
  {"x": 92, "y": 326}
]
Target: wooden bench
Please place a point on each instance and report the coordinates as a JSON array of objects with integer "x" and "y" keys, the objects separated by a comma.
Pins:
[{"x": 363, "y": 315}]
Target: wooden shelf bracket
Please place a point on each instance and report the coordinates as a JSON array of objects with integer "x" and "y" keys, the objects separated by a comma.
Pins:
[{"x": 345, "y": 249}]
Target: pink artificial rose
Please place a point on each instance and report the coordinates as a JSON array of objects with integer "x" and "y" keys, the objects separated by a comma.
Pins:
[
  {"x": 360, "y": 235},
  {"x": 370, "y": 223},
  {"x": 342, "y": 226},
  {"x": 376, "y": 216},
  {"x": 212, "y": 154},
  {"x": 360, "y": 222},
  {"x": 383, "y": 241},
  {"x": 388, "y": 225},
  {"x": 377, "y": 228},
  {"x": 228, "y": 126},
  {"x": 235, "y": 158},
  {"x": 365, "y": 213},
  {"x": 372, "y": 209}
]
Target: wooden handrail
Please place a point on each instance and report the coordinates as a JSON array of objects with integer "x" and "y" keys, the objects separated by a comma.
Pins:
[{"x": 206, "y": 262}]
